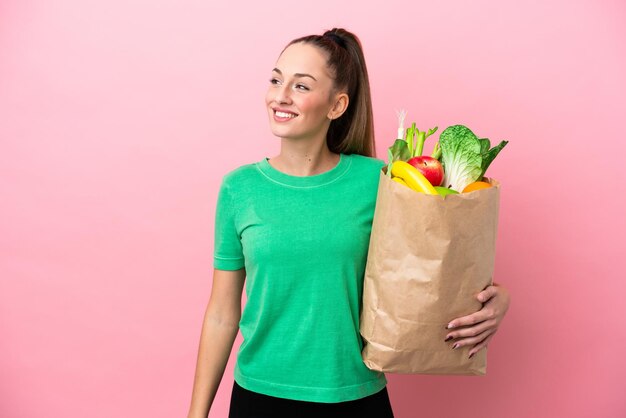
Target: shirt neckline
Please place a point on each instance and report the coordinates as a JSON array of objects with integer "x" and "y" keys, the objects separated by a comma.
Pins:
[{"x": 315, "y": 180}]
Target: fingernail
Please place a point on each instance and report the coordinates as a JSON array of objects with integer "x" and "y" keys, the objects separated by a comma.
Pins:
[
  {"x": 470, "y": 356},
  {"x": 450, "y": 325},
  {"x": 455, "y": 346},
  {"x": 448, "y": 338}
]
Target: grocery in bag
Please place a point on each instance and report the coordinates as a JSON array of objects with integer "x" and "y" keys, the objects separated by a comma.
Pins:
[{"x": 431, "y": 252}]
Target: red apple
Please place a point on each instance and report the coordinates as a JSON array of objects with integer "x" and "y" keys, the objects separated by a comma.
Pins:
[{"x": 430, "y": 167}]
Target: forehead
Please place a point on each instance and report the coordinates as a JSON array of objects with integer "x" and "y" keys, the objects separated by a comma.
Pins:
[{"x": 303, "y": 58}]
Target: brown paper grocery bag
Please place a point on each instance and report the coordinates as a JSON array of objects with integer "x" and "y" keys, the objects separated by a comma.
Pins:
[{"x": 428, "y": 258}]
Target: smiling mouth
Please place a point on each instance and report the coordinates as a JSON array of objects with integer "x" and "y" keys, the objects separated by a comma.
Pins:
[{"x": 284, "y": 115}]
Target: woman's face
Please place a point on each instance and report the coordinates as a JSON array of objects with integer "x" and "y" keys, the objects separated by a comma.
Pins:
[{"x": 301, "y": 99}]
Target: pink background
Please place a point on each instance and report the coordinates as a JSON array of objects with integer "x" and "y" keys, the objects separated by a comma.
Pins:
[{"x": 118, "y": 119}]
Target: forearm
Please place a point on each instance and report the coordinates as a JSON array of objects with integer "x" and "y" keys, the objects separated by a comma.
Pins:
[{"x": 216, "y": 344}]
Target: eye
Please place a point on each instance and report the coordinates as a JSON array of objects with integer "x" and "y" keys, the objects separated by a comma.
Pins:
[
  {"x": 274, "y": 81},
  {"x": 302, "y": 87}
]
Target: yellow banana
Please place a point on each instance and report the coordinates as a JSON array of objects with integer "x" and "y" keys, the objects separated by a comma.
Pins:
[
  {"x": 412, "y": 177},
  {"x": 399, "y": 180}
]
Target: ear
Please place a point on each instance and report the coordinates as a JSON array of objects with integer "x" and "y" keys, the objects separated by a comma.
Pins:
[{"x": 341, "y": 101}]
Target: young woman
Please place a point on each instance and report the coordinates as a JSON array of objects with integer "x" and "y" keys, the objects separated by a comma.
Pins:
[{"x": 297, "y": 226}]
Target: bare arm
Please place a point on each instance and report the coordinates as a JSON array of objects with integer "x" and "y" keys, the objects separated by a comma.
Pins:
[{"x": 219, "y": 329}]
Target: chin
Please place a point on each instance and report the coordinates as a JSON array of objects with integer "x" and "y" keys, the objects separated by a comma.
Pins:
[{"x": 281, "y": 131}]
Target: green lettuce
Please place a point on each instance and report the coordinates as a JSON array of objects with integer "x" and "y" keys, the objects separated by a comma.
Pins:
[
  {"x": 398, "y": 151},
  {"x": 488, "y": 155},
  {"x": 464, "y": 156}
]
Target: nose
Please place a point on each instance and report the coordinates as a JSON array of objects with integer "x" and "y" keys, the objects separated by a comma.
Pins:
[{"x": 283, "y": 94}]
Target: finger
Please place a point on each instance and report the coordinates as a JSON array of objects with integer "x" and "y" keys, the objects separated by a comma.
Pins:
[
  {"x": 472, "y": 331},
  {"x": 472, "y": 340},
  {"x": 487, "y": 294},
  {"x": 471, "y": 319},
  {"x": 480, "y": 345}
]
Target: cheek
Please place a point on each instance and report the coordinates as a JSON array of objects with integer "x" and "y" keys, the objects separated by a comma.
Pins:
[{"x": 313, "y": 106}]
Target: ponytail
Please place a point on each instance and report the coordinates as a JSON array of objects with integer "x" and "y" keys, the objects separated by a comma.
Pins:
[{"x": 353, "y": 131}]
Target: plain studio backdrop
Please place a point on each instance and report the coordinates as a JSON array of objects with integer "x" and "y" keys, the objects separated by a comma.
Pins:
[{"x": 118, "y": 120}]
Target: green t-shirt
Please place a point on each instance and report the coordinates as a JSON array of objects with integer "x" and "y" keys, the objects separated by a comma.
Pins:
[{"x": 303, "y": 241}]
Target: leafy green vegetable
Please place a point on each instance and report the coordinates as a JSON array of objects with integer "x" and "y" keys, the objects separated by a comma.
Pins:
[
  {"x": 460, "y": 154},
  {"x": 490, "y": 154},
  {"x": 485, "y": 144},
  {"x": 398, "y": 151},
  {"x": 465, "y": 157}
]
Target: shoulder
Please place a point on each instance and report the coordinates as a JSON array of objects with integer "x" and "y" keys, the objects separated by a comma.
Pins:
[
  {"x": 367, "y": 164},
  {"x": 239, "y": 181},
  {"x": 241, "y": 174},
  {"x": 365, "y": 171}
]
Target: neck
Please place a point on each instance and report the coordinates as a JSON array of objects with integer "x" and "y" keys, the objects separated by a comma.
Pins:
[{"x": 299, "y": 158}]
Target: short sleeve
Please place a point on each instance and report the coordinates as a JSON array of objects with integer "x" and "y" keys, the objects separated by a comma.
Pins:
[{"x": 228, "y": 252}]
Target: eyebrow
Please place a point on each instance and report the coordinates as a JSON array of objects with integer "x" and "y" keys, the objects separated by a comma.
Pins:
[{"x": 296, "y": 74}]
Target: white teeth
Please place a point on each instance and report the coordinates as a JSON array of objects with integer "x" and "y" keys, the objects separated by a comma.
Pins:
[{"x": 285, "y": 115}]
